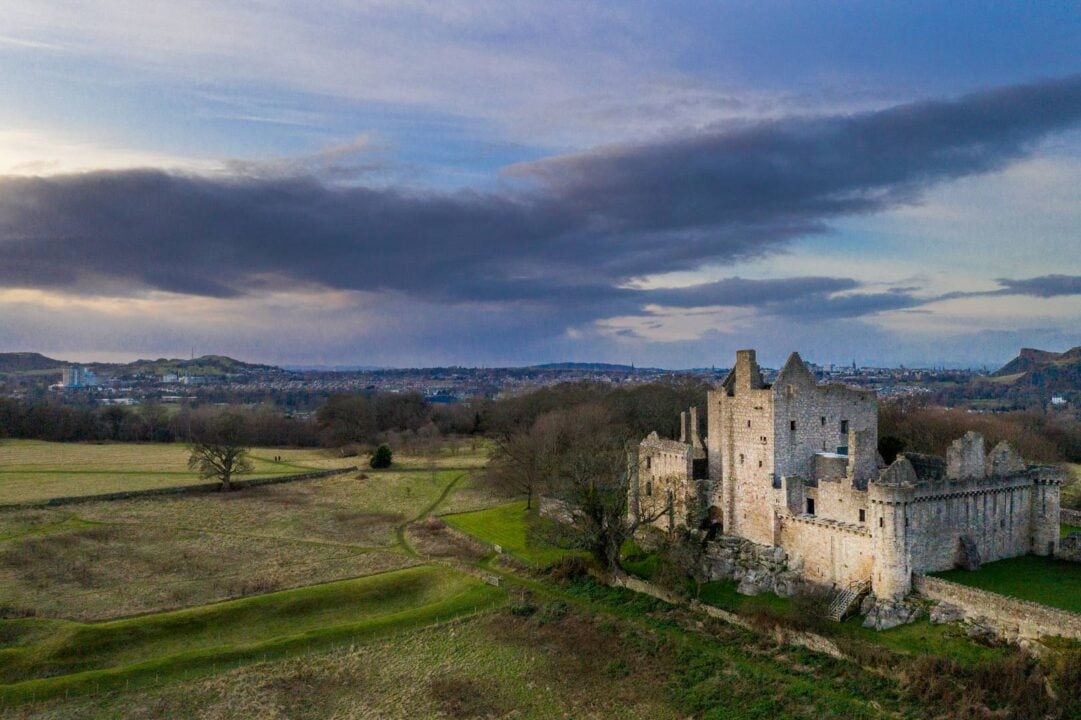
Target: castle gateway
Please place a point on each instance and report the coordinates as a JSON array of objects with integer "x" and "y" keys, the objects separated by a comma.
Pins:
[{"x": 794, "y": 472}]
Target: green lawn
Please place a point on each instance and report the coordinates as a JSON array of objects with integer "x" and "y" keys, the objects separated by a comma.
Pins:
[
  {"x": 1044, "y": 580},
  {"x": 1065, "y": 529},
  {"x": 722, "y": 594},
  {"x": 42, "y": 657},
  {"x": 506, "y": 526}
]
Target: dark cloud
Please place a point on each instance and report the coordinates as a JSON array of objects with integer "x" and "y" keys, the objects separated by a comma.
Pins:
[
  {"x": 568, "y": 234},
  {"x": 1044, "y": 286}
]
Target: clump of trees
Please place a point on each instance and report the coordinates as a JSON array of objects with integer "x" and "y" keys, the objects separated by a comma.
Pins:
[
  {"x": 586, "y": 458},
  {"x": 220, "y": 449},
  {"x": 913, "y": 426}
]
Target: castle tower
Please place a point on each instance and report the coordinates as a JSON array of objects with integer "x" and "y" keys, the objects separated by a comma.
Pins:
[
  {"x": 1046, "y": 486},
  {"x": 888, "y": 500}
]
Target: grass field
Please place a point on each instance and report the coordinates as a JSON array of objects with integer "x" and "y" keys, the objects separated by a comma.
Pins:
[
  {"x": 105, "y": 571},
  {"x": 507, "y": 526},
  {"x": 1044, "y": 580},
  {"x": 340, "y": 509},
  {"x": 62, "y": 655},
  {"x": 109, "y": 559},
  {"x": 500, "y": 666},
  {"x": 32, "y": 470},
  {"x": 599, "y": 654}
]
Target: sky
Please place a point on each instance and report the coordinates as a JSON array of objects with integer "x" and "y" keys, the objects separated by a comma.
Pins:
[{"x": 410, "y": 183}]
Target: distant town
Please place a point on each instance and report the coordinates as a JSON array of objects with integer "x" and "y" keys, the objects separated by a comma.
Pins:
[{"x": 215, "y": 378}]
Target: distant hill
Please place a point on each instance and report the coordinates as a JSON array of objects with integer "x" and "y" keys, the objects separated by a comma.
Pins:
[
  {"x": 28, "y": 362},
  {"x": 205, "y": 365},
  {"x": 604, "y": 367},
  {"x": 1049, "y": 371}
]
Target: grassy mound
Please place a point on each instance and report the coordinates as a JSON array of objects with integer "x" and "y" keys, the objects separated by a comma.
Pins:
[{"x": 40, "y": 660}]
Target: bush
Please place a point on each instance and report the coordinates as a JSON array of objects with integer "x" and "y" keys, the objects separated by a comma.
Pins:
[
  {"x": 381, "y": 458},
  {"x": 569, "y": 568}
]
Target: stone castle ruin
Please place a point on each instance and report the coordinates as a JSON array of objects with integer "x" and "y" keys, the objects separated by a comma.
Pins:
[{"x": 791, "y": 477}]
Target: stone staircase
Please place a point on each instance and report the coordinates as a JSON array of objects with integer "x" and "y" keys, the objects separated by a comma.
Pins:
[{"x": 846, "y": 600}]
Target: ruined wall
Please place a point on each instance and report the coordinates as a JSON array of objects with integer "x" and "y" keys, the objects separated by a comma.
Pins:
[
  {"x": 996, "y": 514},
  {"x": 837, "y": 500},
  {"x": 1011, "y": 618},
  {"x": 823, "y": 417},
  {"x": 665, "y": 481},
  {"x": 827, "y": 552},
  {"x": 1071, "y": 517}
]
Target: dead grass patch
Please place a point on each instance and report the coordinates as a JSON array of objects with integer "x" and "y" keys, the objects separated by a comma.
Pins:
[
  {"x": 114, "y": 570},
  {"x": 434, "y": 538}
]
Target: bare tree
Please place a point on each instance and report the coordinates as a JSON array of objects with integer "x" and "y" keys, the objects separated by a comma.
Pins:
[
  {"x": 220, "y": 449},
  {"x": 526, "y": 461},
  {"x": 596, "y": 469}
]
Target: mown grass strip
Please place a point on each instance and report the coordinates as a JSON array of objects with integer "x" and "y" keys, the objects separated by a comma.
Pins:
[
  {"x": 1045, "y": 580},
  {"x": 508, "y": 526},
  {"x": 148, "y": 649}
]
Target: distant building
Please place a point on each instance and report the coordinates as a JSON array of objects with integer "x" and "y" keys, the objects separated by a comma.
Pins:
[
  {"x": 78, "y": 377},
  {"x": 1058, "y": 401}
]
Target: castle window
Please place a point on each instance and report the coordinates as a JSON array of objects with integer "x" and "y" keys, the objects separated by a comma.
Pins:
[
  {"x": 748, "y": 423},
  {"x": 759, "y": 463},
  {"x": 810, "y": 506},
  {"x": 649, "y": 488},
  {"x": 844, "y": 427},
  {"x": 741, "y": 458},
  {"x": 823, "y": 419},
  {"x": 792, "y": 425},
  {"x": 863, "y": 515},
  {"x": 649, "y": 462}
]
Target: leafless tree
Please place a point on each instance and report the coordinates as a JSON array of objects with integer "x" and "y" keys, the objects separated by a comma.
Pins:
[
  {"x": 526, "y": 461},
  {"x": 596, "y": 468},
  {"x": 220, "y": 449}
]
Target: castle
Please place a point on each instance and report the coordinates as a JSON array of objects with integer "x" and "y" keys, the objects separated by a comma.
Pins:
[{"x": 792, "y": 469}]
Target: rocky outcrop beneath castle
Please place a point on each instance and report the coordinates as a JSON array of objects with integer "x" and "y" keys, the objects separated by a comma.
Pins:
[
  {"x": 757, "y": 568},
  {"x": 884, "y": 613}
]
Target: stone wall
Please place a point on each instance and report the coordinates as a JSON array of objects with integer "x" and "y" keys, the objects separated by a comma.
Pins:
[
  {"x": 665, "y": 482},
  {"x": 1010, "y": 618},
  {"x": 1070, "y": 548},
  {"x": 823, "y": 417},
  {"x": 1070, "y": 517},
  {"x": 995, "y": 514},
  {"x": 826, "y": 552},
  {"x": 740, "y": 417}
]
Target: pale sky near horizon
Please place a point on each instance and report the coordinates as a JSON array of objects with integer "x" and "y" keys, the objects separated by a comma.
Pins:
[{"x": 417, "y": 183}]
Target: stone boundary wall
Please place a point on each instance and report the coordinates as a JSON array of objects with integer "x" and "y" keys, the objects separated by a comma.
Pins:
[
  {"x": 178, "y": 489},
  {"x": 1070, "y": 517},
  {"x": 1011, "y": 617},
  {"x": 789, "y": 636}
]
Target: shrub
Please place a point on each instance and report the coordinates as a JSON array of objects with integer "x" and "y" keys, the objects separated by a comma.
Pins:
[
  {"x": 552, "y": 612},
  {"x": 381, "y": 458},
  {"x": 569, "y": 568}
]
